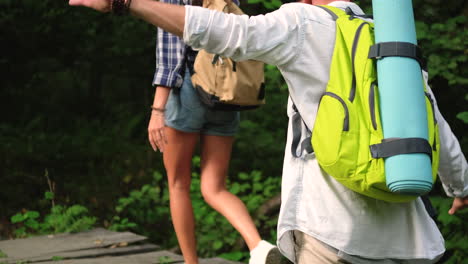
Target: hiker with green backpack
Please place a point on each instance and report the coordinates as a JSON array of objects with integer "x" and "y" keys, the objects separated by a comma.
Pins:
[{"x": 327, "y": 218}]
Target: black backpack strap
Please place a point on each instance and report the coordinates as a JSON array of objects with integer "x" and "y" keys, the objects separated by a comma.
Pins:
[
  {"x": 353, "y": 15},
  {"x": 296, "y": 123},
  {"x": 397, "y": 49},
  {"x": 396, "y": 146},
  {"x": 431, "y": 211},
  {"x": 332, "y": 14},
  {"x": 347, "y": 11}
]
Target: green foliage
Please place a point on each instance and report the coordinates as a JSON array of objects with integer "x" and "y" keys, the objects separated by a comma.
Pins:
[
  {"x": 446, "y": 45},
  {"x": 3, "y": 255},
  {"x": 85, "y": 154},
  {"x": 268, "y": 4},
  {"x": 68, "y": 219},
  {"x": 454, "y": 230},
  {"x": 234, "y": 256},
  {"x": 57, "y": 258},
  {"x": 146, "y": 211},
  {"x": 49, "y": 196},
  {"x": 253, "y": 189},
  {"x": 61, "y": 219},
  {"x": 29, "y": 222},
  {"x": 165, "y": 260},
  {"x": 119, "y": 224},
  {"x": 70, "y": 108},
  {"x": 463, "y": 116}
]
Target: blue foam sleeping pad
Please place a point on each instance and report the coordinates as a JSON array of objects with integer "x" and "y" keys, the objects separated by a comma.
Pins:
[{"x": 402, "y": 99}]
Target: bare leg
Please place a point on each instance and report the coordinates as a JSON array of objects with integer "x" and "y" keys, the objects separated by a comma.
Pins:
[
  {"x": 177, "y": 160},
  {"x": 216, "y": 153}
]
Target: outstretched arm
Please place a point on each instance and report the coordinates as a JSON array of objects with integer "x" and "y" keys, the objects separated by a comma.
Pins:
[
  {"x": 453, "y": 168},
  {"x": 169, "y": 17}
]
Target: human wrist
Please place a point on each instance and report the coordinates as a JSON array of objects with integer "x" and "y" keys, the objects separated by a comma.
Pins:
[{"x": 157, "y": 110}]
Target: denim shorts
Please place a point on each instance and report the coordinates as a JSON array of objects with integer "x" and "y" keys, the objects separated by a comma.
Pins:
[{"x": 185, "y": 112}]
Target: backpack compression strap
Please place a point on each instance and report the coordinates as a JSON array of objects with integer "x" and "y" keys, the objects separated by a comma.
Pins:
[
  {"x": 397, "y": 49},
  {"x": 386, "y": 49},
  {"x": 396, "y": 146}
]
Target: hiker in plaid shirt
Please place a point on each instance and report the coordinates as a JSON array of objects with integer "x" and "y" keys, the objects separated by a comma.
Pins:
[
  {"x": 178, "y": 121},
  {"x": 172, "y": 55}
]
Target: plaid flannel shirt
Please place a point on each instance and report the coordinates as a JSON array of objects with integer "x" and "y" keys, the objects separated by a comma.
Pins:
[{"x": 172, "y": 55}]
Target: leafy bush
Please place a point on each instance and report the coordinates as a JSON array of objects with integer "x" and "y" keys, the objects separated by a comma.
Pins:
[
  {"x": 61, "y": 219},
  {"x": 463, "y": 116},
  {"x": 146, "y": 211},
  {"x": 68, "y": 219},
  {"x": 28, "y": 220},
  {"x": 253, "y": 189},
  {"x": 454, "y": 230}
]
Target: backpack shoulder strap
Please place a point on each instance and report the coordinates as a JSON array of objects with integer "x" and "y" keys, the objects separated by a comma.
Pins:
[
  {"x": 336, "y": 12},
  {"x": 297, "y": 123},
  {"x": 218, "y": 5},
  {"x": 333, "y": 11},
  {"x": 222, "y": 6},
  {"x": 296, "y": 120}
]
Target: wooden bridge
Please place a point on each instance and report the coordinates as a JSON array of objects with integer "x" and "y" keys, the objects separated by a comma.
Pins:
[{"x": 98, "y": 246}]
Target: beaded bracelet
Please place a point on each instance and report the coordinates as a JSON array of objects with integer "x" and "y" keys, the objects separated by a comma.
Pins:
[{"x": 120, "y": 7}]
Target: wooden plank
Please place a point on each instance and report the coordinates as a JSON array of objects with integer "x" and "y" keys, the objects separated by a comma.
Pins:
[
  {"x": 91, "y": 247},
  {"x": 90, "y": 253},
  {"x": 158, "y": 257},
  {"x": 54, "y": 245},
  {"x": 218, "y": 261}
]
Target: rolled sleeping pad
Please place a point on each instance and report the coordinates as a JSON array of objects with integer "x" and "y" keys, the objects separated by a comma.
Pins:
[{"x": 401, "y": 95}]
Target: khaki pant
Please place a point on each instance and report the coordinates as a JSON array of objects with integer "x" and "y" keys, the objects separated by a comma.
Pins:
[{"x": 311, "y": 251}]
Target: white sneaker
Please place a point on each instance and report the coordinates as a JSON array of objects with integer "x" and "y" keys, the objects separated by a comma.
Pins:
[{"x": 265, "y": 253}]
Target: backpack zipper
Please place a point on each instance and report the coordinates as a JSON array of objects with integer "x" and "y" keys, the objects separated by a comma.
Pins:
[
  {"x": 372, "y": 105},
  {"x": 353, "y": 55},
  {"x": 346, "y": 119}
]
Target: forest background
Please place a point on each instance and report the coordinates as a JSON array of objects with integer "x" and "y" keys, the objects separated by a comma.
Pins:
[{"x": 74, "y": 104}]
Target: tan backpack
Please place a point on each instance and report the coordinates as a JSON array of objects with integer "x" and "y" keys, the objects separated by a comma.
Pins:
[{"x": 224, "y": 84}]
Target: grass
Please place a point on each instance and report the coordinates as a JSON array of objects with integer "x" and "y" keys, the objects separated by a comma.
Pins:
[
  {"x": 57, "y": 258},
  {"x": 164, "y": 260}
]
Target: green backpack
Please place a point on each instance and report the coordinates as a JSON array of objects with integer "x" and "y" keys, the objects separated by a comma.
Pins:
[{"x": 348, "y": 118}]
